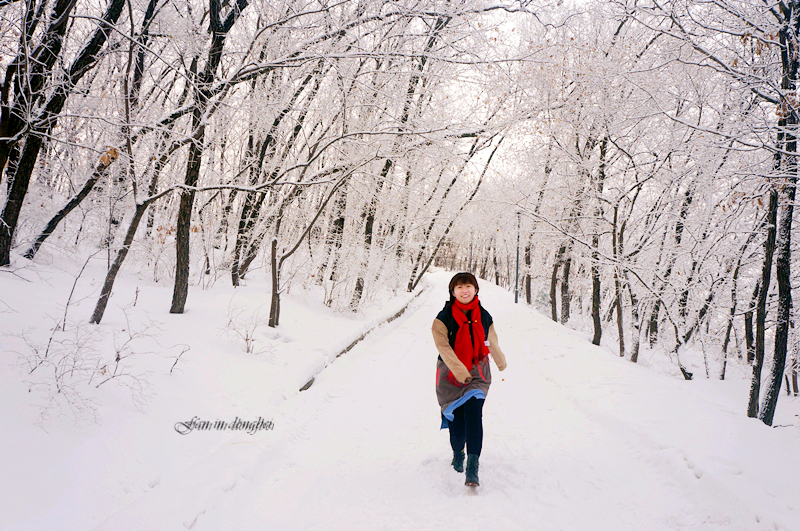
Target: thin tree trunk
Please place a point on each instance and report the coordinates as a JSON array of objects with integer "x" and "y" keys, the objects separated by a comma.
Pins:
[
  {"x": 595, "y": 271},
  {"x": 111, "y": 275},
  {"x": 554, "y": 281},
  {"x": 426, "y": 234},
  {"x": 620, "y": 324},
  {"x": 275, "y": 299},
  {"x": 636, "y": 324},
  {"x": 595, "y": 266},
  {"x": 565, "y": 295},
  {"x": 453, "y": 220},
  {"x": 335, "y": 236},
  {"x": 616, "y": 250},
  {"x": 734, "y": 289},
  {"x": 277, "y": 264},
  {"x": 100, "y": 171},
  {"x": 749, "y": 339},
  {"x": 415, "y": 86},
  {"x": 528, "y": 272},
  {"x": 496, "y": 268}
]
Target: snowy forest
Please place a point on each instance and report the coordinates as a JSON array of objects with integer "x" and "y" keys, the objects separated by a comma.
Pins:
[
  {"x": 206, "y": 204},
  {"x": 637, "y": 159}
]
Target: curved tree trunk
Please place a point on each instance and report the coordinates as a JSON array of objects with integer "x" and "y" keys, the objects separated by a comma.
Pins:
[{"x": 106, "y": 160}]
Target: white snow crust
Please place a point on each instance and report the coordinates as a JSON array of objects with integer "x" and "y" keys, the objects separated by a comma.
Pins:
[{"x": 576, "y": 438}]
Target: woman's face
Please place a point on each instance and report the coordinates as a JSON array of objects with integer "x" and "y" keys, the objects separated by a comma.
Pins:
[{"x": 464, "y": 293}]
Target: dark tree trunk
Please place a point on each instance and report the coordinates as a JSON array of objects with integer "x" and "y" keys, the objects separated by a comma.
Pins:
[
  {"x": 565, "y": 295},
  {"x": 275, "y": 299},
  {"x": 787, "y": 140},
  {"x": 528, "y": 273},
  {"x": 616, "y": 241},
  {"x": 635, "y": 324},
  {"x": 100, "y": 171},
  {"x": 26, "y": 76},
  {"x": 620, "y": 324},
  {"x": 596, "y": 321},
  {"x": 554, "y": 282},
  {"x": 652, "y": 325},
  {"x": 183, "y": 226},
  {"x": 219, "y": 31},
  {"x": 732, "y": 315},
  {"x": 335, "y": 235},
  {"x": 11, "y": 165},
  {"x": 496, "y": 268},
  {"x": 783, "y": 277},
  {"x": 111, "y": 275},
  {"x": 18, "y": 189},
  {"x": 748, "y": 337},
  {"x": 783, "y": 317},
  {"x": 43, "y": 59},
  {"x": 595, "y": 267},
  {"x": 761, "y": 307},
  {"x": 368, "y": 217},
  {"x": 245, "y": 225}
]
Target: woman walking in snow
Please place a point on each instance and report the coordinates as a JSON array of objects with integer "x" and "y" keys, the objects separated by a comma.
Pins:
[{"x": 464, "y": 335}]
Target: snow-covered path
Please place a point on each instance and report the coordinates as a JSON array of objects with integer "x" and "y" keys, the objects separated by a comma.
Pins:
[{"x": 575, "y": 439}]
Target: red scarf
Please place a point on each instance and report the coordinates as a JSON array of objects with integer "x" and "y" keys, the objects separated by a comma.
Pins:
[{"x": 470, "y": 348}]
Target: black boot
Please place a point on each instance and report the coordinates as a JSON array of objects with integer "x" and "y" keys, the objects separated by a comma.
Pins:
[
  {"x": 472, "y": 471},
  {"x": 458, "y": 461}
]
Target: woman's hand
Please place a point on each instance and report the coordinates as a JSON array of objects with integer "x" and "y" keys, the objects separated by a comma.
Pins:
[{"x": 462, "y": 374}]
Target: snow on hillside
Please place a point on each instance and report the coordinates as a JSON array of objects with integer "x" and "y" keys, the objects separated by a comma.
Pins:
[{"x": 575, "y": 437}]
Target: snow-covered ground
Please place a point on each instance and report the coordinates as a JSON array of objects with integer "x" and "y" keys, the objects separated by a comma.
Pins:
[{"x": 575, "y": 437}]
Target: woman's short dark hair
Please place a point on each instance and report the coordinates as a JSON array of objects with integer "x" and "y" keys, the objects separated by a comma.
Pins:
[{"x": 463, "y": 278}]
